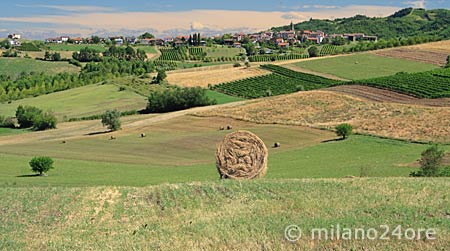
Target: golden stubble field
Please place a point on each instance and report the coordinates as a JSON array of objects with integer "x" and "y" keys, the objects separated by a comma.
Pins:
[
  {"x": 433, "y": 53},
  {"x": 324, "y": 109},
  {"x": 214, "y": 76}
]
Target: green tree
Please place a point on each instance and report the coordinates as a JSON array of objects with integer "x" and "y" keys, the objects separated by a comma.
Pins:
[
  {"x": 27, "y": 115},
  {"x": 146, "y": 35},
  {"x": 313, "y": 51},
  {"x": 344, "y": 130},
  {"x": 111, "y": 119},
  {"x": 448, "y": 62},
  {"x": 160, "y": 76},
  {"x": 44, "y": 121},
  {"x": 430, "y": 162},
  {"x": 41, "y": 165},
  {"x": 95, "y": 39}
]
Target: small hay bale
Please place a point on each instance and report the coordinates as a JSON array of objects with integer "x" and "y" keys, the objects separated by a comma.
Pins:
[
  {"x": 221, "y": 128},
  {"x": 241, "y": 155},
  {"x": 143, "y": 135},
  {"x": 276, "y": 144},
  {"x": 63, "y": 142},
  {"x": 229, "y": 127},
  {"x": 113, "y": 137}
]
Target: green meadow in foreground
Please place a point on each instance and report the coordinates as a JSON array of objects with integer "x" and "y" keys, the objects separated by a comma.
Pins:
[
  {"x": 226, "y": 215},
  {"x": 172, "y": 158},
  {"x": 364, "y": 66},
  {"x": 15, "y": 66}
]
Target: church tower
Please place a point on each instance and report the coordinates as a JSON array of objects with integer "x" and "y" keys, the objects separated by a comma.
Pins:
[{"x": 292, "y": 27}]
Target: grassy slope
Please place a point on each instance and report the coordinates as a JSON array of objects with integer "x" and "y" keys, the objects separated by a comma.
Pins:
[
  {"x": 223, "y": 215},
  {"x": 83, "y": 101},
  {"x": 169, "y": 154},
  {"x": 363, "y": 66},
  {"x": 15, "y": 66},
  {"x": 75, "y": 47},
  {"x": 217, "y": 52},
  {"x": 222, "y": 98},
  {"x": 9, "y": 131},
  {"x": 148, "y": 49}
]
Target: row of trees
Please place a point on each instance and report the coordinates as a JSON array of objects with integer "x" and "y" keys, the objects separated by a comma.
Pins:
[{"x": 35, "y": 84}]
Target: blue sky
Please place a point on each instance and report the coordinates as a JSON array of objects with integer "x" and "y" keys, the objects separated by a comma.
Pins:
[{"x": 84, "y": 17}]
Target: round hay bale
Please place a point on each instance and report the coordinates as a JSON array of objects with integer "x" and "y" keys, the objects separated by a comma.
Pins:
[
  {"x": 113, "y": 137},
  {"x": 221, "y": 128},
  {"x": 143, "y": 135},
  {"x": 241, "y": 155},
  {"x": 276, "y": 144},
  {"x": 229, "y": 127}
]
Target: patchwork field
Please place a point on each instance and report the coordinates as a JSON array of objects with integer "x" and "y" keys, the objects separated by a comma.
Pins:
[
  {"x": 82, "y": 101},
  {"x": 325, "y": 109},
  {"x": 218, "y": 52},
  {"x": 223, "y": 215},
  {"x": 203, "y": 78},
  {"x": 75, "y": 47},
  {"x": 433, "y": 53},
  {"x": 15, "y": 66},
  {"x": 363, "y": 66}
]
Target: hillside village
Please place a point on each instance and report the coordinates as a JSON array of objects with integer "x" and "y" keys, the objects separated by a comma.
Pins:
[{"x": 281, "y": 39}]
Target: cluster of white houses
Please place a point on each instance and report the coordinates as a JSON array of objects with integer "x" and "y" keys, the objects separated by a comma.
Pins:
[{"x": 280, "y": 38}]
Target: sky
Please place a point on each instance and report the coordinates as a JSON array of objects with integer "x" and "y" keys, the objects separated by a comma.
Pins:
[{"x": 38, "y": 19}]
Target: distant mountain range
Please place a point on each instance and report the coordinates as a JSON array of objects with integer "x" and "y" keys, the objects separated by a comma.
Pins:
[{"x": 404, "y": 23}]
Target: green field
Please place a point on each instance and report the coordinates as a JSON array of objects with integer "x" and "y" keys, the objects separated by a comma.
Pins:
[
  {"x": 222, "y": 98},
  {"x": 75, "y": 47},
  {"x": 148, "y": 49},
  {"x": 363, "y": 66},
  {"x": 15, "y": 66},
  {"x": 217, "y": 52},
  {"x": 82, "y": 101},
  {"x": 224, "y": 215},
  {"x": 9, "y": 131},
  {"x": 168, "y": 155}
]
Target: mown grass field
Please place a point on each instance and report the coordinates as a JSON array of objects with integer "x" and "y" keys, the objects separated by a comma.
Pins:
[
  {"x": 15, "y": 66},
  {"x": 76, "y": 47},
  {"x": 10, "y": 131},
  {"x": 182, "y": 150},
  {"x": 82, "y": 101},
  {"x": 217, "y": 52},
  {"x": 222, "y": 98},
  {"x": 364, "y": 66},
  {"x": 223, "y": 215},
  {"x": 147, "y": 49}
]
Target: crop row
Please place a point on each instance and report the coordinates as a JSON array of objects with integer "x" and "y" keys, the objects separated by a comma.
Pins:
[
  {"x": 271, "y": 58},
  {"x": 166, "y": 65},
  {"x": 300, "y": 75},
  {"x": 328, "y": 49},
  {"x": 431, "y": 84},
  {"x": 270, "y": 85},
  {"x": 170, "y": 54}
]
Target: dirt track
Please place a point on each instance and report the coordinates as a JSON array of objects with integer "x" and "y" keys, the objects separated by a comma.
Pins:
[{"x": 379, "y": 95}]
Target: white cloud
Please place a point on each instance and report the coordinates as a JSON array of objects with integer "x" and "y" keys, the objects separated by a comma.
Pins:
[{"x": 416, "y": 4}]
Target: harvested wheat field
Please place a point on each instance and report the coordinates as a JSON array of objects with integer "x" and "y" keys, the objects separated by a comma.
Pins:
[
  {"x": 380, "y": 95},
  {"x": 433, "y": 53},
  {"x": 212, "y": 77},
  {"x": 325, "y": 109}
]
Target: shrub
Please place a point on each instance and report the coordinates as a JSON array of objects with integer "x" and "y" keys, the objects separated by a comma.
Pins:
[
  {"x": 41, "y": 165},
  {"x": 430, "y": 162},
  {"x": 7, "y": 122},
  {"x": 313, "y": 51},
  {"x": 177, "y": 98},
  {"x": 26, "y": 115},
  {"x": 161, "y": 76},
  {"x": 237, "y": 65},
  {"x": 111, "y": 119},
  {"x": 44, "y": 121},
  {"x": 448, "y": 62},
  {"x": 344, "y": 130}
]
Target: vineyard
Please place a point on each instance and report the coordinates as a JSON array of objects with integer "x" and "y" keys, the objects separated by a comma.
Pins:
[
  {"x": 272, "y": 58},
  {"x": 196, "y": 53},
  {"x": 430, "y": 84},
  {"x": 28, "y": 47},
  {"x": 328, "y": 49},
  {"x": 173, "y": 54},
  {"x": 281, "y": 81}
]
